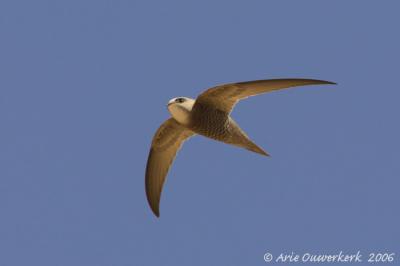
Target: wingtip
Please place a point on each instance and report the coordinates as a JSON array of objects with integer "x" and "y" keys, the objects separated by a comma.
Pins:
[
  {"x": 156, "y": 211},
  {"x": 320, "y": 81},
  {"x": 154, "y": 207},
  {"x": 331, "y": 83},
  {"x": 328, "y": 82}
]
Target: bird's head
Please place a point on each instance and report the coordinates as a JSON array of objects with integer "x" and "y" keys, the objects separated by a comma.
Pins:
[{"x": 180, "y": 109}]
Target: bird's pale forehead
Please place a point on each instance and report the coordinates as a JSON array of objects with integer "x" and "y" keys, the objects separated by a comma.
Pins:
[{"x": 174, "y": 99}]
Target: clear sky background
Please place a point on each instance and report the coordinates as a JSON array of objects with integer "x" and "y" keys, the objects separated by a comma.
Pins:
[{"x": 84, "y": 86}]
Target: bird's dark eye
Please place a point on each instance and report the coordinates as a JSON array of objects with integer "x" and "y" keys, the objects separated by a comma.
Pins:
[{"x": 180, "y": 100}]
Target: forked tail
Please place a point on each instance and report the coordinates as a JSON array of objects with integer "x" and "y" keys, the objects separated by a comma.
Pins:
[
  {"x": 239, "y": 138},
  {"x": 251, "y": 146}
]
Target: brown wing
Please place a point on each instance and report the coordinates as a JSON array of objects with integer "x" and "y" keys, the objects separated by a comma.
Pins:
[
  {"x": 224, "y": 97},
  {"x": 165, "y": 145}
]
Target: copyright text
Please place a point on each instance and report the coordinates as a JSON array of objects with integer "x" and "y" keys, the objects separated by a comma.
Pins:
[{"x": 356, "y": 257}]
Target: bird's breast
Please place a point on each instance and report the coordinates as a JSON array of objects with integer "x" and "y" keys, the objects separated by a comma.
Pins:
[
  {"x": 210, "y": 122},
  {"x": 179, "y": 113}
]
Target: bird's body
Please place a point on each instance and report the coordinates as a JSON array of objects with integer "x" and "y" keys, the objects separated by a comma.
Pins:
[
  {"x": 208, "y": 115},
  {"x": 218, "y": 125}
]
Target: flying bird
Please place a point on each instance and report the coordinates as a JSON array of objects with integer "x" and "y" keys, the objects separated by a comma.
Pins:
[{"x": 208, "y": 115}]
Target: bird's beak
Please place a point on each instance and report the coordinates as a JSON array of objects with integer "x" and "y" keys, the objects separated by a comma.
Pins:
[{"x": 169, "y": 104}]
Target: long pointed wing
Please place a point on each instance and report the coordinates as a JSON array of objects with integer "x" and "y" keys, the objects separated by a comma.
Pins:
[
  {"x": 165, "y": 145},
  {"x": 224, "y": 97}
]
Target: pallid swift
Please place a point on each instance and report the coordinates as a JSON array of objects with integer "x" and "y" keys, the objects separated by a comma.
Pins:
[{"x": 208, "y": 115}]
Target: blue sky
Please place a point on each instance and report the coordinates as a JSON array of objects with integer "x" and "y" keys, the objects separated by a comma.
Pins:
[{"x": 84, "y": 86}]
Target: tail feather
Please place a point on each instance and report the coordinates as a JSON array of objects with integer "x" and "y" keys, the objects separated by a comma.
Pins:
[
  {"x": 251, "y": 146},
  {"x": 239, "y": 138}
]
